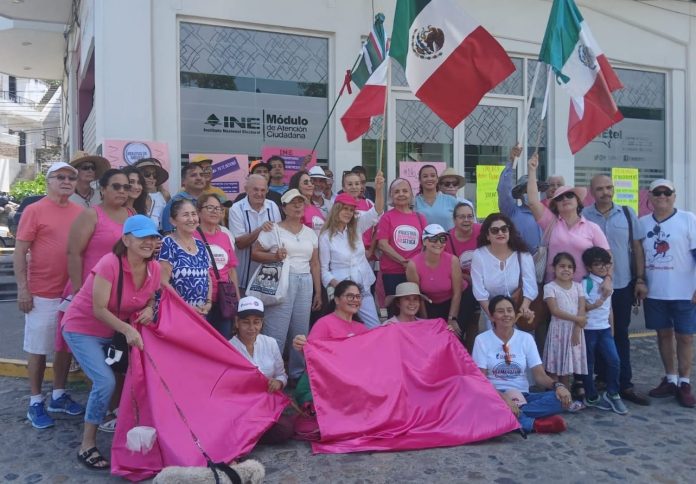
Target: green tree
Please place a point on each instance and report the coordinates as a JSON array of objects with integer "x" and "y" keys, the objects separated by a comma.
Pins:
[{"x": 24, "y": 188}]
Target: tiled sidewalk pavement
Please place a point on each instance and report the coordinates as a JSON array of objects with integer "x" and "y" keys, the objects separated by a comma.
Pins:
[{"x": 651, "y": 444}]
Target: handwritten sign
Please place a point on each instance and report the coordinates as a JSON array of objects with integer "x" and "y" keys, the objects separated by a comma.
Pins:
[
  {"x": 409, "y": 171},
  {"x": 487, "y": 189},
  {"x": 122, "y": 153},
  {"x": 626, "y": 190},
  {"x": 229, "y": 171},
  {"x": 293, "y": 158}
]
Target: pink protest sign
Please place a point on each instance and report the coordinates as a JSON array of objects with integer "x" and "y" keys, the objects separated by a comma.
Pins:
[
  {"x": 409, "y": 170},
  {"x": 293, "y": 158},
  {"x": 229, "y": 171},
  {"x": 122, "y": 153}
]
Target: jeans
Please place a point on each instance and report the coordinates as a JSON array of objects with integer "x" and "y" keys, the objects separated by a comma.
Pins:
[
  {"x": 89, "y": 353},
  {"x": 368, "y": 311},
  {"x": 622, "y": 303},
  {"x": 600, "y": 341},
  {"x": 543, "y": 404},
  {"x": 290, "y": 318}
]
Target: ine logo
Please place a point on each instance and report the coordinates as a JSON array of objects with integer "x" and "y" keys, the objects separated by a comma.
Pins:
[{"x": 212, "y": 120}]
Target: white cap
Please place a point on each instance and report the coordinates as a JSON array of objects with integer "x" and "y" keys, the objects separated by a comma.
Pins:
[
  {"x": 661, "y": 182},
  {"x": 248, "y": 306},
  {"x": 317, "y": 172},
  {"x": 60, "y": 166},
  {"x": 432, "y": 230}
]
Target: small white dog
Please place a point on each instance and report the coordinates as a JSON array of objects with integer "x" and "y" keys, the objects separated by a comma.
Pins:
[{"x": 250, "y": 472}]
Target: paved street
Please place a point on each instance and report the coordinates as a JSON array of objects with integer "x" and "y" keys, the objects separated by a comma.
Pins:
[{"x": 653, "y": 444}]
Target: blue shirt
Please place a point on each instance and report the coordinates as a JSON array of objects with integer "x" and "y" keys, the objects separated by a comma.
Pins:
[
  {"x": 280, "y": 189},
  {"x": 615, "y": 227},
  {"x": 440, "y": 212},
  {"x": 189, "y": 271},
  {"x": 521, "y": 216},
  {"x": 166, "y": 223}
]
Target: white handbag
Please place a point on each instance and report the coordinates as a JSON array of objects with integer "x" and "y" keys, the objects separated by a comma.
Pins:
[{"x": 270, "y": 281}]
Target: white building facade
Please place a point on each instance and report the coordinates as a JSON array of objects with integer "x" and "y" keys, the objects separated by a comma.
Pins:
[{"x": 229, "y": 76}]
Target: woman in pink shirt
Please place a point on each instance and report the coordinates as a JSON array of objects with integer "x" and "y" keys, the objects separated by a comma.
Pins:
[
  {"x": 439, "y": 276},
  {"x": 121, "y": 287}
]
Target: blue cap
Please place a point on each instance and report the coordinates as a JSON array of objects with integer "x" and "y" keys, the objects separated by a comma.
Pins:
[{"x": 140, "y": 226}]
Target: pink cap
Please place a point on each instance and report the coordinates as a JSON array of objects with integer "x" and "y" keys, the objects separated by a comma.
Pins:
[{"x": 346, "y": 199}]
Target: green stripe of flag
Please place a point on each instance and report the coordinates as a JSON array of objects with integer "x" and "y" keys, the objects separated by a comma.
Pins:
[
  {"x": 372, "y": 55},
  {"x": 406, "y": 12},
  {"x": 562, "y": 35}
]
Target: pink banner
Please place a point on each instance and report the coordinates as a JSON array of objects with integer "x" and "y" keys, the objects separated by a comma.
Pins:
[
  {"x": 223, "y": 397},
  {"x": 229, "y": 171},
  {"x": 409, "y": 170},
  {"x": 293, "y": 158},
  {"x": 402, "y": 386},
  {"x": 121, "y": 153}
]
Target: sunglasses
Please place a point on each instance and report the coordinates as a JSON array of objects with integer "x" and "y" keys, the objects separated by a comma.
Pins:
[
  {"x": 150, "y": 174},
  {"x": 62, "y": 178},
  {"x": 212, "y": 209},
  {"x": 353, "y": 297},
  {"x": 121, "y": 186},
  {"x": 508, "y": 356},
  {"x": 567, "y": 195},
  {"x": 84, "y": 167},
  {"x": 664, "y": 191},
  {"x": 449, "y": 184},
  {"x": 437, "y": 238},
  {"x": 496, "y": 230}
]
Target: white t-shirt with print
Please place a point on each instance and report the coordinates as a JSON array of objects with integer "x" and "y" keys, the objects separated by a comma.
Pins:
[
  {"x": 488, "y": 354},
  {"x": 670, "y": 268},
  {"x": 299, "y": 246},
  {"x": 597, "y": 318}
]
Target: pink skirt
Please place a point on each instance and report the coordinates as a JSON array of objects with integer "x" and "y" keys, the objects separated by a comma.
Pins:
[{"x": 560, "y": 357}]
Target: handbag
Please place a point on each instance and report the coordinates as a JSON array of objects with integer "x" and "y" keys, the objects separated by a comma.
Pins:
[
  {"x": 117, "y": 351},
  {"x": 517, "y": 295},
  {"x": 270, "y": 281},
  {"x": 537, "y": 305},
  {"x": 541, "y": 255},
  {"x": 226, "y": 292}
]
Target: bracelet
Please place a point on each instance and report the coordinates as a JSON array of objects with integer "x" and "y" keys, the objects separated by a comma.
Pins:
[
  {"x": 557, "y": 385},
  {"x": 453, "y": 318}
]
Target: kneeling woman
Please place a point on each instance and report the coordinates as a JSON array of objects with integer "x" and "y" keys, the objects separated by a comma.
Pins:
[
  {"x": 406, "y": 303},
  {"x": 504, "y": 354},
  {"x": 121, "y": 287},
  {"x": 262, "y": 351}
]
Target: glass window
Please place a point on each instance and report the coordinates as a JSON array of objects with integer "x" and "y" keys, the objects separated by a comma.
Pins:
[{"x": 513, "y": 85}]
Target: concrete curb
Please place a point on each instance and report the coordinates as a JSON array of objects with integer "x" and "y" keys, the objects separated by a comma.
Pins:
[{"x": 18, "y": 369}]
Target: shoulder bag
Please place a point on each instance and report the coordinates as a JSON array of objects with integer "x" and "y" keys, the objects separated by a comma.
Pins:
[
  {"x": 270, "y": 281},
  {"x": 226, "y": 292},
  {"x": 117, "y": 352}
]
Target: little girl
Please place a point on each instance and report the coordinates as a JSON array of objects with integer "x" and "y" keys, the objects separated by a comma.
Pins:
[{"x": 564, "y": 351}]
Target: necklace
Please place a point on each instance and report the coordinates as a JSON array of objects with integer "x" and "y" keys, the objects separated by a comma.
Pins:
[
  {"x": 189, "y": 247},
  {"x": 87, "y": 198}
]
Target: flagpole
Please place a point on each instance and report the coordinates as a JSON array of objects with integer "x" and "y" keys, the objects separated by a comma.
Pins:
[
  {"x": 384, "y": 114},
  {"x": 545, "y": 105},
  {"x": 527, "y": 106},
  {"x": 333, "y": 108}
]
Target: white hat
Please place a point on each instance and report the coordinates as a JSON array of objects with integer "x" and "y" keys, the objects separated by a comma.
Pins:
[
  {"x": 406, "y": 289},
  {"x": 60, "y": 166},
  {"x": 249, "y": 306},
  {"x": 432, "y": 230},
  {"x": 661, "y": 182},
  {"x": 291, "y": 195},
  {"x": 317, "y": 172}
]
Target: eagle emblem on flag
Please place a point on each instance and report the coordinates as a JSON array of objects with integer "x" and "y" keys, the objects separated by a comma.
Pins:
[{"x": 427, "y": 42}]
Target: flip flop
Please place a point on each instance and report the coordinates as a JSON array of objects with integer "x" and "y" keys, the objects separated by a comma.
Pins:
[{"x": 91, "y": 458}]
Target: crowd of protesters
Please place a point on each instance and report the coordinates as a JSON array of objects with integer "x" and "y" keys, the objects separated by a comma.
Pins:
[{"x": 553, "y": 281}]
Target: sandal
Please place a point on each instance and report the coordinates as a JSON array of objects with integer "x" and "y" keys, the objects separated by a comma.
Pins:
[
  {"x": 577, "y": 391},
  {"x": 92, "y": 459}
]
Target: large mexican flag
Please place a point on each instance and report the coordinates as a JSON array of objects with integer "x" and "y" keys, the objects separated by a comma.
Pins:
[
  {"x": 582, "y": 69},
  {"x": 450, "y": 61}
]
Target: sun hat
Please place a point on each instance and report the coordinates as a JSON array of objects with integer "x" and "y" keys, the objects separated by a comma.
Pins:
[
  {"x": 346, "y": 199},
  {"x": 249, "y": 306},
  {"x": 521, "y": 187},
  {"x": 452, "y": 173},
  {"x": 291, "y": 195},
  {"x": 100, "y": 163},
  {"x": 317, "y": 172},
  {"x": 140, "y": 226},
  {"x": 661, "y": 182},
  {"x": 579, "y": 192},
  {"x": 161, "y": 175},
  {"x": 60, "y": 166},
  {"x": 432, "y": 230},
  {"x": 406, "y": 289}
]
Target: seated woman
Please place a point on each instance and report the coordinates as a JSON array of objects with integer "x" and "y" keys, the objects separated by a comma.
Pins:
[
  {"x": 504, "y": 354},
  {"x": 406, "y": 303},
  {"x": 262, "y": 351},
  {"x": 121, "y": 287}
]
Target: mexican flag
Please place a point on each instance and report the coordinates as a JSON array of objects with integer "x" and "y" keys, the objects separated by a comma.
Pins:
[
  {"x": 369, "y": 102},
  {"x": 583, "y": 71},
  {"x": 450, "y": 61},
  {"x": 372, "y": 54}
]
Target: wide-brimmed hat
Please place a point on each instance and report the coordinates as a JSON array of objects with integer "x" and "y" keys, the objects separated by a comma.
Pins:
[
  {"x": 317, "y": 172},
  {"x": 291, "y": 195},
  {"x": 100, "y": 163},
  {"x": 521, "y": 187},
  {"x": 451, "y": 173},
  {"x": 579, "y": 192},
  {"x": 161, "y": 175},
  {"x": 406, "y": 289},
  {"x": 346, "y": 199},
  {"x": 249, "y": 306}
]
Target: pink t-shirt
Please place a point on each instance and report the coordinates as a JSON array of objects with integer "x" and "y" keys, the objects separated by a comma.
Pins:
[
  {"x": 46, "y": 225},
  {"x": 403, "y": 231},
  {"x": 79, "y": 318},
  {"x": 333, "y": 327},
  {"x": 106, "y": 234},
  {"x": 436, "y": 283},
  {"x": 574, "y": 240},
  {"x": 463, "y": 250},
  {"x": 221, "y": 246},
  {"x": 313, "y": 218}
]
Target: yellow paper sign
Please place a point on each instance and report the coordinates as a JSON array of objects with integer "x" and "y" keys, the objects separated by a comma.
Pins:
[
  {"x": 625, "y": 187},
  {"x": 487, "y": 189}
]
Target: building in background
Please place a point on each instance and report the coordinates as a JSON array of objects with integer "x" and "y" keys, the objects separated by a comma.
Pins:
[{"x": 234, "y": 76}]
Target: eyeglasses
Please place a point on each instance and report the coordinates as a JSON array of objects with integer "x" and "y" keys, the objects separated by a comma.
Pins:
[
  {"x": 464, "y": 217},
  {"x": 85, "y": 167},
  {"x": 212, "y": 209},
  {"x": 207, "y": 171},
  {"x": 665, "y": 191},
  {"x": 567, "y": 195},
  {"x": 150, "y": 174},
  {"x": 437, "y": 238},
  {"x": 62, "y": 178},
  {"x": 121, "y": 186},
  {"x": 508, "y": 356},
  {"x": 449, "y": 184},
  {"x": 496, "y": 230},
  {"x": 353, "y": 296},
  {"x": 602, "y": 264}
]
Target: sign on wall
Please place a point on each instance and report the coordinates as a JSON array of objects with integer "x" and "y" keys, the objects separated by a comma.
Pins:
[
  {"x": 487, "y": 177},
  {"x": 409, "y": 171},
  {"x": 626, "y": 187},
  {"x": 229, "y": 171},
  {"x": 122, "y": 153},
  {"x": 293, "y": 157}
]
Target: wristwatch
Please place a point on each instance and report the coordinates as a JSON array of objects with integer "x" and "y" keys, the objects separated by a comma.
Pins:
[
  {"x": 453, "y": 318},
  {"x": 557, "y": 385}
]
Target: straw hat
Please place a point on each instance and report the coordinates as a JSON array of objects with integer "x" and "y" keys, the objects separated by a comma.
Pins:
[
  {"x": 406, "y": 289},
  {"x": 451, "y": 173},
  {"x": 161, "y": 174},
  {"x": 101, "y": 164}
]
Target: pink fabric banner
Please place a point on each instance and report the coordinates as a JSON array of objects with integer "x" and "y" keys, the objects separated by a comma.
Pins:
[
  {"x": 400, "y": 387},
  {"x": 223, "y": 396}
]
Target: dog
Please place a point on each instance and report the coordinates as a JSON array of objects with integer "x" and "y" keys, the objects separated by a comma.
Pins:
[{"x": 249, "y": 472}]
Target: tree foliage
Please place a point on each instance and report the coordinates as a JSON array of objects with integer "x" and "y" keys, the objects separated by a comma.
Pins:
[{"x": 24, "y": 188}]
